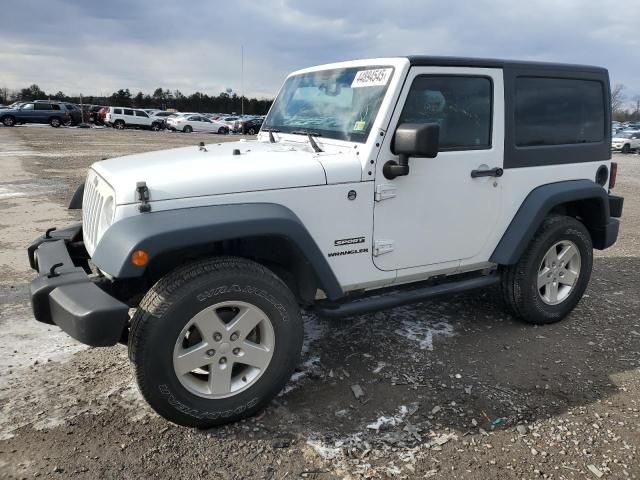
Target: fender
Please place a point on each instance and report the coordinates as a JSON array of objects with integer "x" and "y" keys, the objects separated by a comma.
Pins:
[
  {"x": 163, "y": 231},
  {"x": 537, "y": 206},
  {"x": 76, "y": 200}
]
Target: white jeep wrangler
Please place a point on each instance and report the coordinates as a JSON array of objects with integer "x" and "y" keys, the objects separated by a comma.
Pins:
[{"x": 373, "y": 183}]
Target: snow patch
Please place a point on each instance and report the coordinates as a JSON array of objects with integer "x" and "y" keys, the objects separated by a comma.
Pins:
[
  {"x": 421, "y": 327},
  {"x": 389, "y": 421}
]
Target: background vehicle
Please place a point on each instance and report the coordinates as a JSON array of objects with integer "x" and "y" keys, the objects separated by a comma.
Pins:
[
  {"x": 161, "y": 117},
  {"x": 372, "y": 184},
  {"x": 121, "y": 118},
  {"x": 53, "y": 113},
  {"x": 250, "y": 126},
  {"x": 626, "y": 141},
  {"x": 188, "y": 123}
]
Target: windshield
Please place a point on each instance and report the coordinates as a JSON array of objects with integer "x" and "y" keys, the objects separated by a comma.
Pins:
[
  {"x": 340, "y": 104},
  {"x": 622, "y": 135}
]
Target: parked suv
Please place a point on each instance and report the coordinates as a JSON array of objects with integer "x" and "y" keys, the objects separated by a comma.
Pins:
[
  {"x": 372, "y": 183},
  {"x": 53, "y": 113},
  {"x": 626, "y": 141},
  {"x": 122, "y": 117}
]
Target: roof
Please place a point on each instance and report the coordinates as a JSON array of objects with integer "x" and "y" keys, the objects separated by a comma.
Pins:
[{"x": 430, "y": 61}]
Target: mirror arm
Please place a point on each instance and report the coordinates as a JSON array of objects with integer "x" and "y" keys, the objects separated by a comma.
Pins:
[{"x": 393, "y": 169}]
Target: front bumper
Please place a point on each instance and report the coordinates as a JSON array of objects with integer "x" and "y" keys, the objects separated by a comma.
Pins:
[{"x": 65, "y": 295}]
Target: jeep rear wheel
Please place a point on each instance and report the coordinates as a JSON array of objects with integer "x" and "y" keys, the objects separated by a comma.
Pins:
[
  {"x": 55, "y": 122},
  {"x": 119, "y": 124},
  {"x": 8, "y": 121},
  {"x": 187, "y": 129},
  {"x": 552, "y": 275},
  {"x": 215, "y": 341}
]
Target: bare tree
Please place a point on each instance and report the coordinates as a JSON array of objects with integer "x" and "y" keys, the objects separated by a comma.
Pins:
[
  {"x": 617, "y": 97},
  {"x": 636, "y": 107},
  {"x": 4, "y": 95}
]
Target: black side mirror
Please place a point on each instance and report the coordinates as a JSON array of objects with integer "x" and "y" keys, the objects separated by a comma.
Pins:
[{"x": 412, "y": 140}]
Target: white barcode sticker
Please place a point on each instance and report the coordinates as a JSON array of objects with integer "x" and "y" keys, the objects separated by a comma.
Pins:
[{"x": 371, "y": 78}]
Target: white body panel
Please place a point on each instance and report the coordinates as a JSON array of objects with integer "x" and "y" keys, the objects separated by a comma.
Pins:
[{"x": 440, "y": 214}]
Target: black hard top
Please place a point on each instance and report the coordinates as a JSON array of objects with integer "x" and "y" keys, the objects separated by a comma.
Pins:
[{"x": 429, "y": 61}]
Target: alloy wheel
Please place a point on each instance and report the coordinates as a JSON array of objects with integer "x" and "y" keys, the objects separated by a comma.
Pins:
[
  {"x": 559, "y": 272},
  {"x": 224, "y": 349}
]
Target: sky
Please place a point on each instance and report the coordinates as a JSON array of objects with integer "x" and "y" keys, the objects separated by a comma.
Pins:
[{"x": 96, "y": 47}]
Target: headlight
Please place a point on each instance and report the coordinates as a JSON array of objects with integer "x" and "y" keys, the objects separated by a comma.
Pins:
[{"x": 106, "y": 215}]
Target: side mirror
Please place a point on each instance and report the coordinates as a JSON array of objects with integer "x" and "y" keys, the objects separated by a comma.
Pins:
[{"x": 412, "y": 140}]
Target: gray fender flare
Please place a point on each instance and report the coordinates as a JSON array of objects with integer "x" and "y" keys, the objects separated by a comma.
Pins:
[
  {"x": 537, "y": 205},
  {"x": 164, "y": 231}
]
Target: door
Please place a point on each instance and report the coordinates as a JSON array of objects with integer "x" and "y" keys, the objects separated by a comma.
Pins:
[
  {"x": 42, "y": 112},
  {"x": 142, "y": 118},
  {"x": 439, "y": 213},
  {"x": 27, "y": 113}
]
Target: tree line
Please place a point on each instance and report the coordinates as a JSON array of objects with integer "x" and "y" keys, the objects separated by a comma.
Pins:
[
  {"x": 624, "y": 109},
  {"x": 163, "y": 99}
]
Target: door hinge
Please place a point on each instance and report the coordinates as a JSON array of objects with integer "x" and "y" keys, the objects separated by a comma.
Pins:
[
  {"x": 380, "y": 247},
  {"x": 384, "y": 192}
]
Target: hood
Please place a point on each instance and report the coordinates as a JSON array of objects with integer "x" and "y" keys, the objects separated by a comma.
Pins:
[{"x": 190, "y": 172}]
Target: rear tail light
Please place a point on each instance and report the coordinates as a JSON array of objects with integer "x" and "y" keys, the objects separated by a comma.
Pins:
[
  {"x": 613, "y": 174},
  {"x": 66, "y": 114}
]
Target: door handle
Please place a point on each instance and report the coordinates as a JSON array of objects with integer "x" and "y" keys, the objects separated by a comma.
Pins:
[{"x": 492, "y": 172}]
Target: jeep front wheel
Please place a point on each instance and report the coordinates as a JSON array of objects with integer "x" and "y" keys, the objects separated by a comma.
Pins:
[
  {"x": 215, "y": 341},
  {"x": 552, "y": 275}
]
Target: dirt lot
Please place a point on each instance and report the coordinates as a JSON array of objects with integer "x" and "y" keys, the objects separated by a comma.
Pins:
[{"x": 452, "y": 389}]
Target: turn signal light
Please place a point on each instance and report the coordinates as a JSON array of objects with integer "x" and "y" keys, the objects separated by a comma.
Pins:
[
  {"x": 139, "y": 258},
  {"x": 613, "y": 174}
]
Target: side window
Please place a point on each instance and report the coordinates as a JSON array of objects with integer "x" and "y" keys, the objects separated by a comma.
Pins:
[
  {"x": 117, "y": 111},
  {"x": 43, "y": 106},
  {"x": 194, "y": 119},
  {"x": 558, "y": 111},
  {"x": 70, "y": 107},
  {"x": 140, "y": 113},
  {"x": 461, "y": 105},
  {"x": 55, "y": 106},
  {"x": 27, "y": 106},
  {"x": 128, "y": 112}
]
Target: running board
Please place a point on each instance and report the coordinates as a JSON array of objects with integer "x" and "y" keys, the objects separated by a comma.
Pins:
[{"x": 403, "y": 297}]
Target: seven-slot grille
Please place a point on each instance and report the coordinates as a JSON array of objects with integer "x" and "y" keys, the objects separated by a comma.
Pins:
[{"x": 92, "y": 202}]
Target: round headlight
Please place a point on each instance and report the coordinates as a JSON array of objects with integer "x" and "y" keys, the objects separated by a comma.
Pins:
[{"x": 106, "y": 215}]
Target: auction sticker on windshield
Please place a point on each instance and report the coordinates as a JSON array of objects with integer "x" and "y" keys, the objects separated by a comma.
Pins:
[{"x": 371, "y": 78}]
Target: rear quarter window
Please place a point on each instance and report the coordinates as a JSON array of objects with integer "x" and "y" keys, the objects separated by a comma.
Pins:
[
  {"x": 117, "y": 111},
  {"x": 558, "y": 111},
  {"x": 128, "y": 112}
]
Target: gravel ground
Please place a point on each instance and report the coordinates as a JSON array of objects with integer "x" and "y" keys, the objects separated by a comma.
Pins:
[{"x": 445, "y": 389}]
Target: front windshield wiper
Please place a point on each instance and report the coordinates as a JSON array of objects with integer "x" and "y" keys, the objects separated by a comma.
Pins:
[
  {"x": 310, "y": 136},
  {"x": 271, "y": 130}
]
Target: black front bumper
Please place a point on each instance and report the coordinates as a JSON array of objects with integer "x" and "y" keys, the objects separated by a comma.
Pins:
[{"x": 65, "y": 295}]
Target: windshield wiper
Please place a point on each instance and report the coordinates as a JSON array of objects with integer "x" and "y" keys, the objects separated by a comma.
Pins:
[
  {"x": 271, "y": 130},
  {"x": 310, "y": 136}
]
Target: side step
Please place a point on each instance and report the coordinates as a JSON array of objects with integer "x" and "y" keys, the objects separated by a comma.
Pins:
[{"x": 377, "y": 302}]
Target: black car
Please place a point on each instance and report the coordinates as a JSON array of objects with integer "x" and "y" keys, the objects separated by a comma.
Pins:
[{"x": 250, "y": 126}]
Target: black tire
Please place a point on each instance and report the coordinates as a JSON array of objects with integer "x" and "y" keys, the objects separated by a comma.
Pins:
[
  {"x": 55, "y": 122},
  {"x": 177, "y": 298},
  {"x": 223, "y": 131},
  {"x": 119, "y": 125},
  {"x": 626, "y": 148},
  {"x": 8, "y": 121},
  {"x": 519, "y": 282},
  {"x": 187, "y": 129},
  {"x": 155, "y": 127},
  {"x": 251, "y": 131}
]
